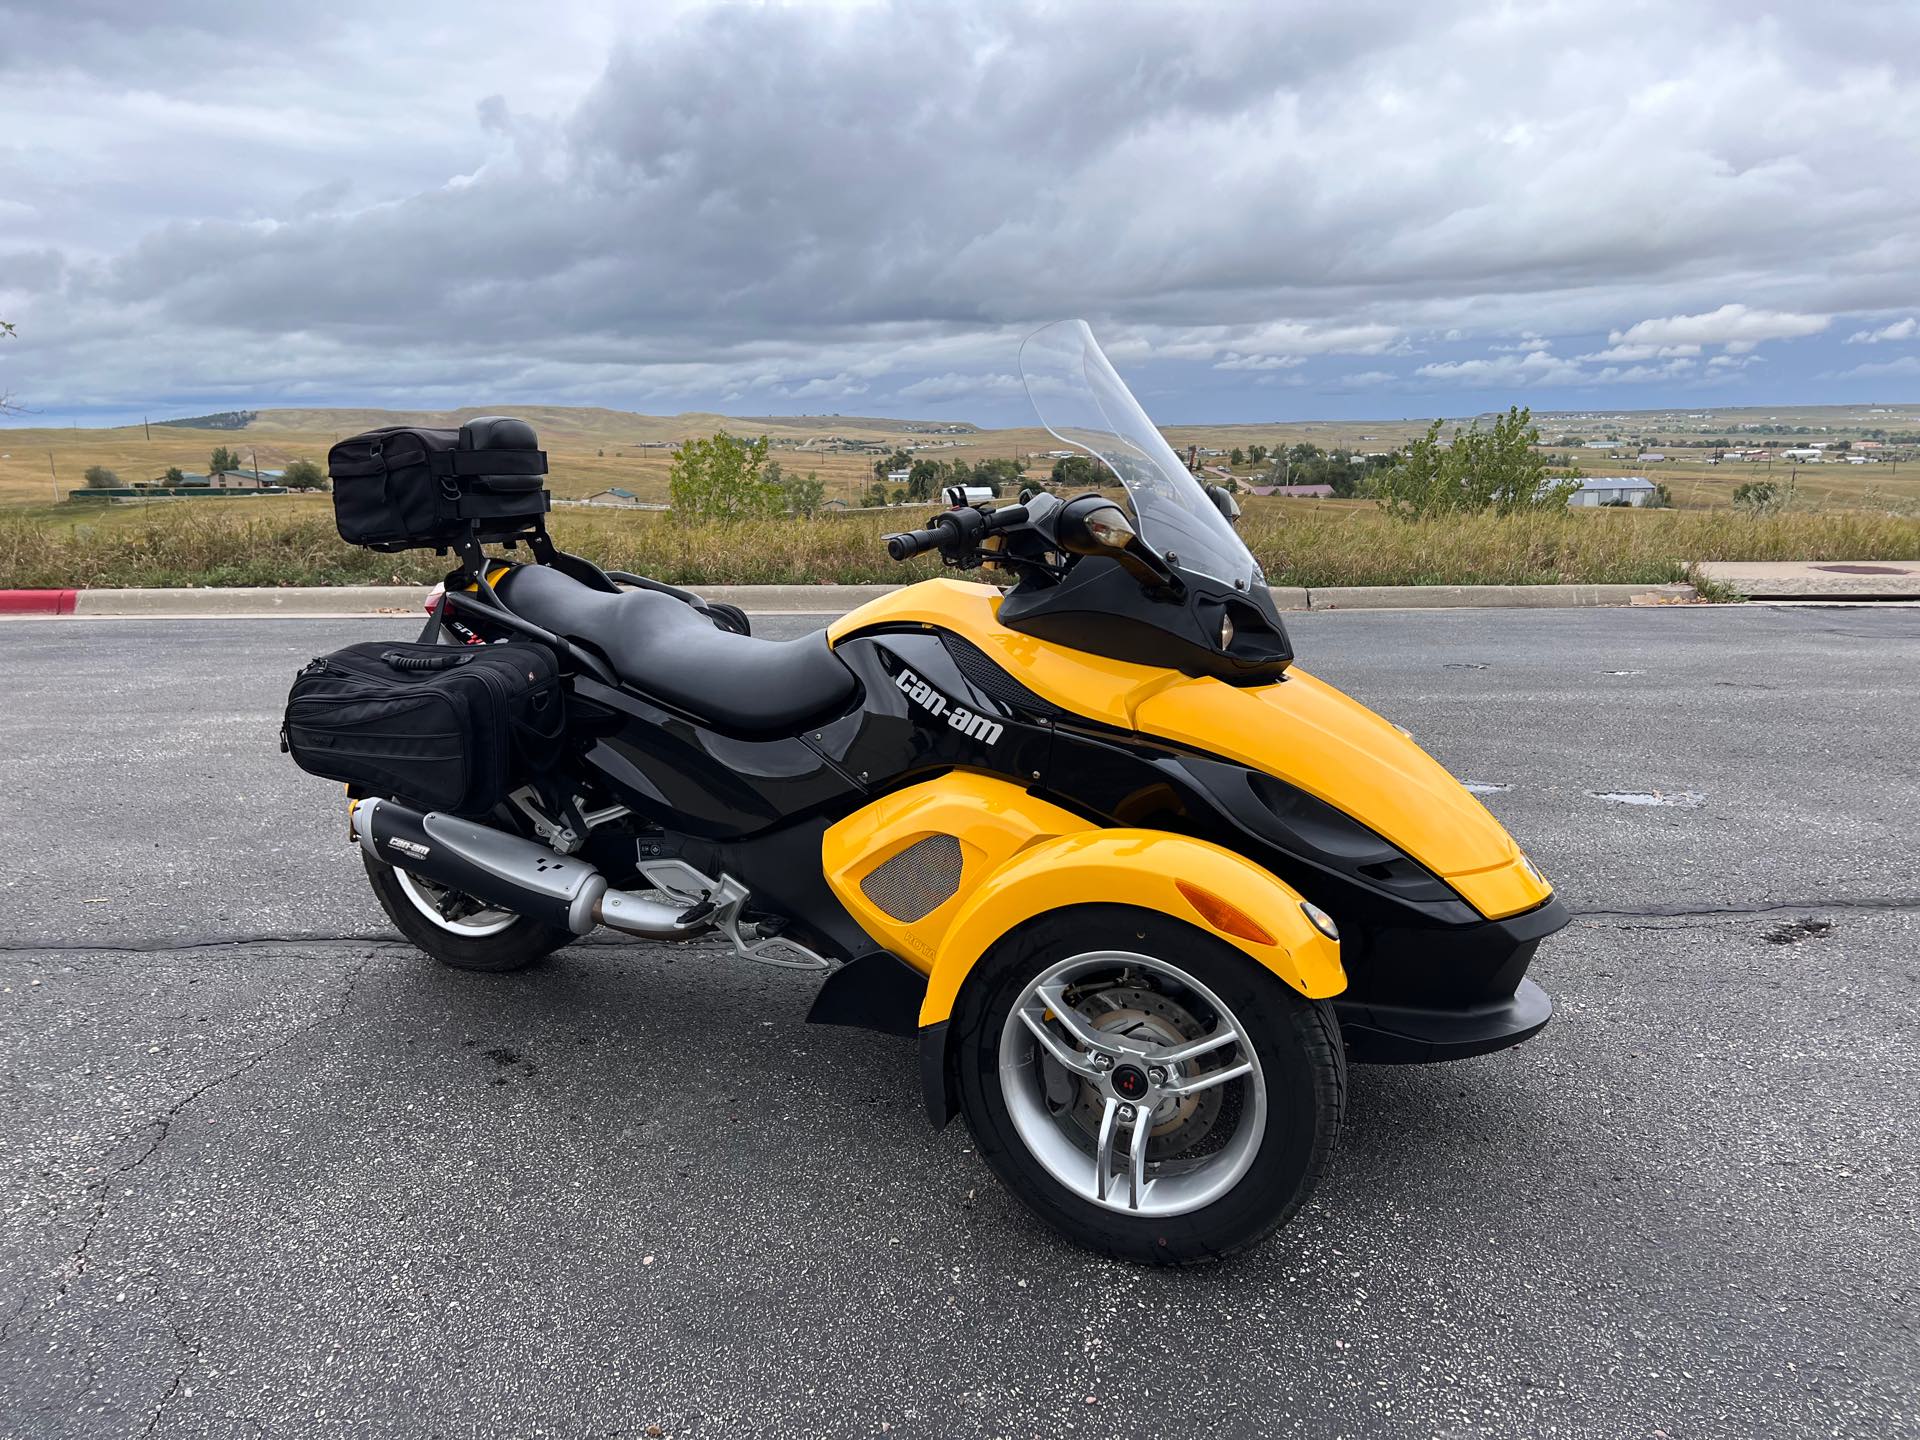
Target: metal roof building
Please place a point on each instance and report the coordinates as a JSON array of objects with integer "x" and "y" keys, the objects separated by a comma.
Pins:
[{"x": 1607, "y": 489}]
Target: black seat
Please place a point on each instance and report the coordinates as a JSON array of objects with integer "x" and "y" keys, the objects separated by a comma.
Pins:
[{"x": 665, "y": 648}]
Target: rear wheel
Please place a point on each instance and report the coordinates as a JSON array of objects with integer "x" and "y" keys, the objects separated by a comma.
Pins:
[
  {"x": 456, "y": 929},
  {"x": 1145, "y": 1088}
]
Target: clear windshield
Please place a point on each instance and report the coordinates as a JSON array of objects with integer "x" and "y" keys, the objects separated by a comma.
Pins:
[{"x": 1083, "y": 402}]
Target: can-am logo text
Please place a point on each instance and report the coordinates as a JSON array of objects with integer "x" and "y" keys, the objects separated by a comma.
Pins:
[{"x": 986, "y": 731}]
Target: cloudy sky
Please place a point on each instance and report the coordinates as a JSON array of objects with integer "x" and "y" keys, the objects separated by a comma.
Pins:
[{"x": 1271, "y": 211}]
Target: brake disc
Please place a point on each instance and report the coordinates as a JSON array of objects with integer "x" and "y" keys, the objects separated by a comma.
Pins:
[{"x": 1179, "y": 1124}]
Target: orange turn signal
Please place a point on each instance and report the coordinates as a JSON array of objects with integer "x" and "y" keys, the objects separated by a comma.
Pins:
[{"x": 1228, "y": 919}]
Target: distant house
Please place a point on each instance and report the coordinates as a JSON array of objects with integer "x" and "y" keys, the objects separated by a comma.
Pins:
[
  {"x": 613, "y": 496},
  {"x": 1296, "y": 492},
  {"x": 1648, "y": 457},
  {"x": 1601, "y": 445},
  {"x": 244, "y": 479},
  {"x": 899, "y": 477},
  {"x": 1595, "y": 490},
  {"x": 1804, "y": 452}
]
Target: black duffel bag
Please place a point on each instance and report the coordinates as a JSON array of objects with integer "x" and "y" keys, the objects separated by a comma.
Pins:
[
  {"x": 453, "y": 728},
  {"x": 406, "y": 486}
]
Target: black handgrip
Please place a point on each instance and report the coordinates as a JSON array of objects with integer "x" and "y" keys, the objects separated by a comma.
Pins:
[
  {"x": 1006, "y": 515},
  {"x": 915, "y": 542},
  {"x": 425, "y": 662}
]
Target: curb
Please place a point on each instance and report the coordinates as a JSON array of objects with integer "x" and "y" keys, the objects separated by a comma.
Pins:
[
  {"x": 1516, "y": 597},
  {"x": 1817, "y": 579},
  {"x": 350, "y": 600},
  {"x": 36, "y": 602}
]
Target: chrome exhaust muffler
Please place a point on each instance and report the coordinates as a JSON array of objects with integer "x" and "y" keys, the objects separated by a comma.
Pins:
[{"x": 514, "y": 874}]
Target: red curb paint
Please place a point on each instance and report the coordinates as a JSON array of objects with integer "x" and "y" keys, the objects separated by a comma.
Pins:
[{"x": 36, "y": 602}]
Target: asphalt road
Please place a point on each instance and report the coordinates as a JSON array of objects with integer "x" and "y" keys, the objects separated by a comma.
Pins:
[{"x": 268, "y": 1171}]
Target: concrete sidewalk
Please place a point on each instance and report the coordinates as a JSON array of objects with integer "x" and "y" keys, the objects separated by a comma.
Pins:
[
  {"x": 790, "y": 599},
  {"x": 1818, "y": 579}
]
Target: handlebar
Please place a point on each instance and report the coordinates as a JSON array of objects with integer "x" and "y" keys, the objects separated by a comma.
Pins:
[
  {"x": 915, "y": 542},
  {"x": 954, "y": 532}
]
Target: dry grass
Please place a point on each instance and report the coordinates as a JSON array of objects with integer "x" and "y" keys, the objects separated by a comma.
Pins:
[
  {"x": 247, "y": 543},
  {"x": 594, "y": 449}
]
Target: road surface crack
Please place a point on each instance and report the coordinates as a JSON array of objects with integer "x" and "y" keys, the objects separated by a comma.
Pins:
[{"x": 77, "y": 1261}]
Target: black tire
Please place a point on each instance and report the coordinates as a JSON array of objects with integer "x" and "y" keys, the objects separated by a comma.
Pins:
[
  {"x": 1297, "y": 1042},
  {"x": 525, "y": 942}
]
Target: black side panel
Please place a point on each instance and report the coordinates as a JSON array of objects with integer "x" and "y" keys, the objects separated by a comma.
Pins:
[
  {"x": 936, "y": 1077},
  {"x": 878, "y": 991},
  {"x": 782, "y": 869},
  {"x": 1411, "y": 1035},
  {"x": 688, "y": 777},
  {"x": 923, "y": 714}
]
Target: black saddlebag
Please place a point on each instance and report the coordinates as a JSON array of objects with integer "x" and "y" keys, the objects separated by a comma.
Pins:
[
  {"x": 406, "y": 487},
  {"x": 453, "y": 728}
]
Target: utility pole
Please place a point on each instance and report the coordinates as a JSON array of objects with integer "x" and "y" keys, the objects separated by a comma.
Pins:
[
  {"x": 148, "y": 428},
  {"x": 56, "y": 477}
]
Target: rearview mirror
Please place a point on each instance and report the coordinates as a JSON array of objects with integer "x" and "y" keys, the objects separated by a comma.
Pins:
[{"x": 1224, "y": 502}]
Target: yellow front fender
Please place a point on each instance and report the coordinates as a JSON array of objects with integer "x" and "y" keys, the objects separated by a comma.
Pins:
[{"x": 1189, "y": 879}]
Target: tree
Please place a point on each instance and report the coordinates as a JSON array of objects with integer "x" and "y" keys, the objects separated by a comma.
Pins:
[
  {"x": 1756, "y": 498},
  {"x": 876, "y": 495},
  {"x": 304, "y": 475},
  {"x": 805, "y": 494},
  {"x": 923, "y": 479},
  {"x": 99, "y": 477},
  {"x": 1256, "y": 453},
  {"x": 1481, "y": 470},
  {"x": 1075, "y": 472},
  {"x": 998, "y": 472},
  {"x": 899, "y": 460},
  {"x": 1237, "y": 457},
  {"x": 721, "y": 479},
  {"x": 223, "y": 461},
  {"x": 175, "y": 476}
]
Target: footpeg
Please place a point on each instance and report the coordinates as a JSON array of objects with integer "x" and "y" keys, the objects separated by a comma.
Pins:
[{"x": 722, "y": 904}]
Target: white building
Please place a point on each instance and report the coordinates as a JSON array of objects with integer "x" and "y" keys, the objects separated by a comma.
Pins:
[{"x": 1596, "y": 490}]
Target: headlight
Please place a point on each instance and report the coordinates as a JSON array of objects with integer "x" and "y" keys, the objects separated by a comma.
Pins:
[
  {"x": 1321, "y": 921},
  {"x": 1534, "y": 871},
  {"x": 1226, "y": 632}
]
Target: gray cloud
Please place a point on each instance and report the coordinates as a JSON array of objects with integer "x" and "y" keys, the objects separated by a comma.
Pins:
[{"x": 248, "y": 203}]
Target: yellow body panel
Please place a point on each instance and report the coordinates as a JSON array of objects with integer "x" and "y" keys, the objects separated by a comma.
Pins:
[
  {"x": 1089, "y": 685},
  {"x": 1133, "y": 867},
  {"x": 1307, "y": 733},
  {"x": 992, "y": 819},
  {"x": 1299, "y": 730},
  {"x": 1021, "y": 857}
]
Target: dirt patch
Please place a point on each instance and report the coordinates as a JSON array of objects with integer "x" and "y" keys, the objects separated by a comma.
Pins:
[{"x": 1794, "y": 931}]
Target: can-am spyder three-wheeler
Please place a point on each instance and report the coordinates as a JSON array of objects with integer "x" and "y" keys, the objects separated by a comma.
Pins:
[{"x": 1138, "y": 884}]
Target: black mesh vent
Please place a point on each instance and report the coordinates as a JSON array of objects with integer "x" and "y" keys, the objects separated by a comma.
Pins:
[
  {"x": 917, "y": 881},
  {"x": 992, "y": 681}
]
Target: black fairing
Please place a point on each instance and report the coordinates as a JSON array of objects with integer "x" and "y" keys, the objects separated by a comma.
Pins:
[{"x": 1102, "y": 608}]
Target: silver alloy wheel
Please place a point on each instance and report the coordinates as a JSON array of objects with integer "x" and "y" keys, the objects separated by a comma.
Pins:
[
  {"x": 1138, "y": 1084},
  {"x": 425, "y": 896}
]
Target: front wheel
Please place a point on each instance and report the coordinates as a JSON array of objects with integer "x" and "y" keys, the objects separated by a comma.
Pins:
[{"x": 1145, "y": 1088}]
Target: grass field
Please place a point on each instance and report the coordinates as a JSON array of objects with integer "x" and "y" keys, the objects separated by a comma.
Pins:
[
  {"x": 1840, "y": 512},
  {"x": 594, "y": 449},
  {"x": 293, "y": 542}
]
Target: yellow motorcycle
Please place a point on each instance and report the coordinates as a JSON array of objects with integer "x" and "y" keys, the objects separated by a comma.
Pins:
[{"x": 1138, "y": 884}]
